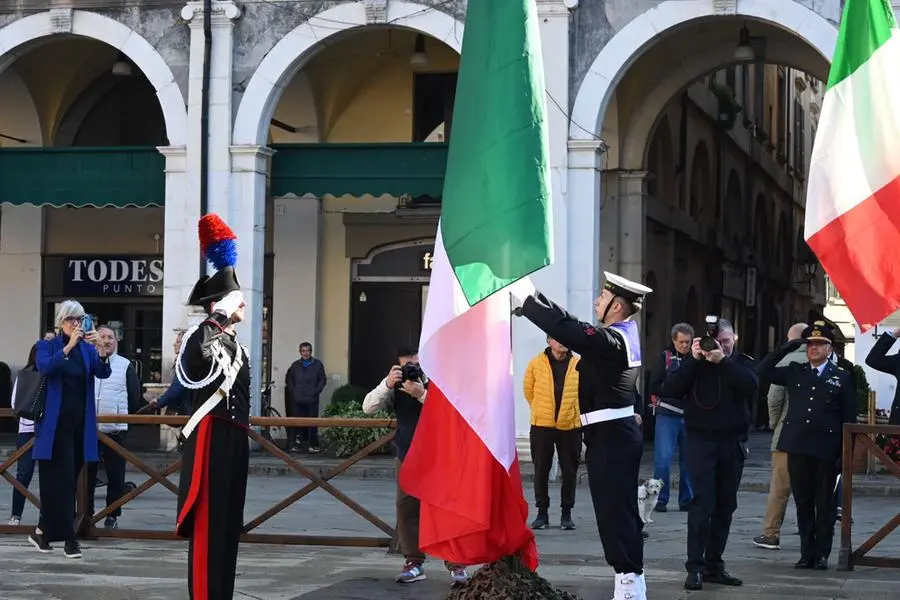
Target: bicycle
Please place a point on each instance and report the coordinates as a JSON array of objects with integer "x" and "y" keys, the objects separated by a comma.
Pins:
[{"x": 271, "y": 433}]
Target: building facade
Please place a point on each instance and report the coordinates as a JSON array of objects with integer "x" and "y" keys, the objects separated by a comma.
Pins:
[{"x": 326, "y": 145}]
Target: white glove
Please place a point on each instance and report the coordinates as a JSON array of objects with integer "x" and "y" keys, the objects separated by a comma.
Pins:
[
  {"x": 518, "y": 292},
  {"x": 230, "y": 303}
]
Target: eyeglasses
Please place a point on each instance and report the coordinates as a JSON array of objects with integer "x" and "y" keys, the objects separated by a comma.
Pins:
[{"x": 72, "y": 320}]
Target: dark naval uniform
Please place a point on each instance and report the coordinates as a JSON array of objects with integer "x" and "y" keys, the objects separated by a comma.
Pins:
[
  {"x": 820, "y": 400},
  {"x": 215, "y": 452},
  {"x": 608, "y": 372}
]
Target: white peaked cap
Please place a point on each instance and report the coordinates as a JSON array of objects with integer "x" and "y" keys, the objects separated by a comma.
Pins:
[{"x": 618, "y": 284}]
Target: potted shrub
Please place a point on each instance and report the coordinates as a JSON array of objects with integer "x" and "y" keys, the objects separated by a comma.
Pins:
[{"x": 346, "y": 402}]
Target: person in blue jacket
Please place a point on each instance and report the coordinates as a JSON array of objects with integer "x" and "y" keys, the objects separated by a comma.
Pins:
[{"x": 66, "y": 436}]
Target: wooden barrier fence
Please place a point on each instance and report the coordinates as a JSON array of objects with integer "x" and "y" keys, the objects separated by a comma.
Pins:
[
  {"x": 864, "y": 435},
  {"x": 85, "y": 522}
]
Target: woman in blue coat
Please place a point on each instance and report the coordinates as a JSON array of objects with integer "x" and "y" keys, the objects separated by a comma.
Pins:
[{"x": 66, "y": 437}]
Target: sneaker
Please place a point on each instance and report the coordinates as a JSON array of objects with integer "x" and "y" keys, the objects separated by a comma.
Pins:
[
  {"x": 565, "y": 522},
  {"x": 769, "y": 542},
  {"x": 412, "y": 571},
  {"x": 14, "y": 521},
  {"x": 458, "y": 575},
  {"x": 314, "y": 450},
  {"x": 111, "y": 523},
  {"x": 542, "y": 521},
  {"x": 73, "y": 550},
  {"x": 37, "y": 540}
]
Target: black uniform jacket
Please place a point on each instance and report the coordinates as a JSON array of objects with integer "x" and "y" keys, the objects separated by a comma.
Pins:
[
  {"x": 818, "y": 406},
  {"x": 715, "y": 397},
  {"x": 879, "y": 360},
  {"x": 604, "y": 378},
  {"x": 235, "y": 409}
]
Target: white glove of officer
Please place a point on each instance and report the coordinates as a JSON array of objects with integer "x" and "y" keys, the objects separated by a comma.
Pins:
[
  {"x": 230, "y": 303},
  {"x": 518, "y": 292}
]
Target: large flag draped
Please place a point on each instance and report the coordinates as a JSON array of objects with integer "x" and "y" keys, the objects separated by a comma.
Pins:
[
  {"x": 495, "y": 230},
  {"x": 853, "y": 198}
]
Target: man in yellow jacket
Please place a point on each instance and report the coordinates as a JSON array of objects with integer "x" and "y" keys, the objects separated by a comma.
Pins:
[{"x": 551, "y": 389}]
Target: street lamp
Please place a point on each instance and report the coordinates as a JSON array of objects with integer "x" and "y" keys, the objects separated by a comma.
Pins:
[{"x": 743, "y": 52}]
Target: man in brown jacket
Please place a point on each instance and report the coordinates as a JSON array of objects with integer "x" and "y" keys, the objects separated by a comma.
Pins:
[
  {"x": 551, "y": 389},
  {"x": 780, "y": 485}
]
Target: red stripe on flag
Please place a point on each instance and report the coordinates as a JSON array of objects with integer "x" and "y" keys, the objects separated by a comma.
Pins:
[
  {"x": 472, "y": 510},
  {"x": 860, "y": 250}
]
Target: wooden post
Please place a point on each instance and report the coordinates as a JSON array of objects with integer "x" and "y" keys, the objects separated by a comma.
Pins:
[{"x": 870, "y": 458}]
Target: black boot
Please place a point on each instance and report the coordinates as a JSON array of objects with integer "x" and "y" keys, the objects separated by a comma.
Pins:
[
  {"x": 542, "y": 521},
  {"x": 566, "y": 521}
]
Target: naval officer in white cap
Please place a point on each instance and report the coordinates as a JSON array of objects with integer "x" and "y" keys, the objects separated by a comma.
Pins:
[{"x": 608, "y": 371}]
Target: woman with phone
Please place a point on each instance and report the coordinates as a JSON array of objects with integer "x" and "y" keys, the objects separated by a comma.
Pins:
[{"x": 66, "y": 436}]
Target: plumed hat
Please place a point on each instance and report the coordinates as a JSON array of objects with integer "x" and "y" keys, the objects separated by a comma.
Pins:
[{"x": 218, "y": 244}]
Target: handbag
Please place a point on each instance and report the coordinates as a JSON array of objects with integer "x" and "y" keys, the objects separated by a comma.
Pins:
[{"x": 29, "y": 394}]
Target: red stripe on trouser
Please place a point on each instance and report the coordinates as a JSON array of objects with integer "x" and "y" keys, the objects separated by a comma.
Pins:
[{"x": 198, "y": 501}]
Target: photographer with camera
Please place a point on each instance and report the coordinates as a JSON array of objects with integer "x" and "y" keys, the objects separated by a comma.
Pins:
[
  {"x": 404, "y": 390},
  {"x": 715, "y": 386}
]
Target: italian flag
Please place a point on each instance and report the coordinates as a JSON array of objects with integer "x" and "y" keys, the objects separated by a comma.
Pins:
[
  {"x": 494, "y": 231},
  {"x": 853, "y": 199}
]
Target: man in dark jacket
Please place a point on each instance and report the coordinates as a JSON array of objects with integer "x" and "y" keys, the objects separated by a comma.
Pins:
[
  {"x": 717, "y": 386},
  {"x": 670, "y": 433},
  {"x": 879, "y": 360},
  {"x": 821, "y": 400},
  {"x": 303, "y": 384}
]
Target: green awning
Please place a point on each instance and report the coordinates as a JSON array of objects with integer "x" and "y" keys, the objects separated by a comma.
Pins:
[
  {"x": 84, "y": 176},
  {"x": 359, "y": 169}
]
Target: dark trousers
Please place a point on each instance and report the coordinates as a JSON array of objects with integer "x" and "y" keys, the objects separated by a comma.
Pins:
[
  {"x": 408, "y": 525},
  {"x": 58, "y": 479},
  {"x": 24, "y": 473},
  {"x": 219, "y": 514},
  {"x": 114, "y": 465},
  {"x": 568, "y": 446},
  {"x": 613, "y": 459},
  {"x": 812, "y": 483},
  {"x": 306, "y": 436},
  {"x": 716, "y": 466}
]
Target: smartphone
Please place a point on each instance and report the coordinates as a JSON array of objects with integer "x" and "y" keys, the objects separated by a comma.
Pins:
[{"x": 87, "y": 323}]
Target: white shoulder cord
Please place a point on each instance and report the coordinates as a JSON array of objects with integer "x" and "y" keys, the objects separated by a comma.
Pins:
[{"x": 215, "y": 369}]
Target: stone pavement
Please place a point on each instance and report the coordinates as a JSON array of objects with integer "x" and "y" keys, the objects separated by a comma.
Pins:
[{"x": 124, "y": 570}]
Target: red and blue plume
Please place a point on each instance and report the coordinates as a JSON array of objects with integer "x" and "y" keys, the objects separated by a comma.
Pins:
[{"x": 217, "y": 242}]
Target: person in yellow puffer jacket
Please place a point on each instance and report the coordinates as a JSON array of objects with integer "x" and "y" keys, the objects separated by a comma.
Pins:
[{"x": 551, "y": 389}]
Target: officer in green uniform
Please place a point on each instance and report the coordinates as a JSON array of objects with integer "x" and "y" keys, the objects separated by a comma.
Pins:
[{"x": 820, "y": 400}]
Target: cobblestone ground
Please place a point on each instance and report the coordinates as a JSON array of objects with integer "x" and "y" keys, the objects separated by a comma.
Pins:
[{"x": 119, "y": 570}]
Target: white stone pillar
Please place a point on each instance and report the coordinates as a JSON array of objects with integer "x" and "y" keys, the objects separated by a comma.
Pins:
[
  {"x": 295, "y": 293},
  {"x": 583, "y": 225},
  {"x": 21, "y": 243},
  {"x": 248, "y": 199},
  {"x": 553, "y": 281},
  {"x": 224, "y": 13},
  {"x": 181, "y": 252},
  {"x": 632, "y": 223}
]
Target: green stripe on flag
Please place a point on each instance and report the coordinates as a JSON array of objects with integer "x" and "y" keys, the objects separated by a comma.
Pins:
[
  {"x": 496, "y": 214},
  {"x": 865, "y": 27}
]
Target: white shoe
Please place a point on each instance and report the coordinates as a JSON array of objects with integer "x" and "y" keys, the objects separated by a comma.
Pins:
[
  {"x": 628, "y": 587},
  {"x": 642, "y": 587}
]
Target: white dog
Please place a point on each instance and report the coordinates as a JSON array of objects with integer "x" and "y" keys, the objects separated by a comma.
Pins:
[{"x": 648, "y": 495}]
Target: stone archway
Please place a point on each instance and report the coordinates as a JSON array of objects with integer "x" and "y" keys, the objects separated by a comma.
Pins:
[
  {"x": 39, "y": 27},
  {"x": 276, "y": 70}
]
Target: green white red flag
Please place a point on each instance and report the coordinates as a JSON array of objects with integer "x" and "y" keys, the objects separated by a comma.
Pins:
[
  {"x": 853, "y": 197},
  {"x": 495, "y": 230}
]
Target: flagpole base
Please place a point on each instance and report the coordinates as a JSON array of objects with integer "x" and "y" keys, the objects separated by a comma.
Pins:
[{"x": 508, "y": 578}]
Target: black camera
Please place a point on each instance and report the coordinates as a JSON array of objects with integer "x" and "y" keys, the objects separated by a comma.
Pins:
[
  {"x": 708, "y": 342},
  {"x": 410, "y": 372}
]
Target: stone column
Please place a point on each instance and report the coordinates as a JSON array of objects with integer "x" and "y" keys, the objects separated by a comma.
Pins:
[
  {"x": 632, "y": 223},
  {"x": 584, "y": 222},
  {"x": 181, "y": 252},
  {"x": 224, "y": 13},
  {"x": 21, "y": 243},
  {"x": 295, "y": 294},
  {"x": 553, "y": 280},
  {"x": 248, "y": 199}
]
